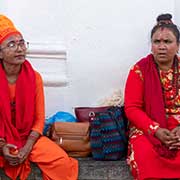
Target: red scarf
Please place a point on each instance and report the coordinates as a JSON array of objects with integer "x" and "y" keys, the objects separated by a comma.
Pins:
[
  {"x": 154, "y": 102},
  {"x": 24, "y": 106}
]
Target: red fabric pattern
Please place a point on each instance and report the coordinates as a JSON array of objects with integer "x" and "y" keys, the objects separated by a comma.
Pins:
[{"x": 25, "y": 99}]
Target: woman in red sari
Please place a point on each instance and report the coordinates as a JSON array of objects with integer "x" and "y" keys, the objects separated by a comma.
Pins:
[
  {"x": 22, "y": 115},
  {"x": 152, "y": 105}
]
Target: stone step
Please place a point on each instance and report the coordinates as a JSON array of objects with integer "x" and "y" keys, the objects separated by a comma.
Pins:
[{"x": 90, "y": 169}]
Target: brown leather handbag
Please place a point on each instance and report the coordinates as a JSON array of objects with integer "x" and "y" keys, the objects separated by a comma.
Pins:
[{"x": 73, "y": 137}]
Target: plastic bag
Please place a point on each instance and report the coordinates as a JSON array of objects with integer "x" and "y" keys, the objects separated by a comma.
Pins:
[{"x": 58, "y": 117}]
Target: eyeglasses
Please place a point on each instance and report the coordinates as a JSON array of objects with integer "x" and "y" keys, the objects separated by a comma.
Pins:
[{"x": 13, "y": 46}]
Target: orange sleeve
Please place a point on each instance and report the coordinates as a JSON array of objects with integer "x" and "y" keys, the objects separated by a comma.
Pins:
[
  {"x": 134, "y": 102},
  {"x": 39, "y": 105}
]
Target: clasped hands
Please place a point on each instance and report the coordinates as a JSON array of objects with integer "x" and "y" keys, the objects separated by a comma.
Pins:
[
  {"x": 170, "y": 139},
  {"x": 14, "y": 156}
]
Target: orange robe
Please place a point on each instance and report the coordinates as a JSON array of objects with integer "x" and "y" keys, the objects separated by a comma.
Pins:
[{"x": 51, "y": 159}]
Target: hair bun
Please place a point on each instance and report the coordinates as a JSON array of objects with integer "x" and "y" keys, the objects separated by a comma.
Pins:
[{"x": 164, "y": 19}]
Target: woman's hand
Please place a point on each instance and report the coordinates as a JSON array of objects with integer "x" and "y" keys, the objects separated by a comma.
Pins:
[
  {"x": 10, "y": 154},
  {"x": 175, "y": 133},
  {"x": 165, "y": 136},
  {"x": 24, "y": 152}
]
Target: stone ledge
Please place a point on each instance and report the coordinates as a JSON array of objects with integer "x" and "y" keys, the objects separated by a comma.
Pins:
[{"x": 90, "y": 169}]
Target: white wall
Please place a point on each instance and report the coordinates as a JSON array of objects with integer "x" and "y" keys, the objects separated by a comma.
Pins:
[
  {"x": 100, "y": 41},
  {"x": 177, "y": 11}
]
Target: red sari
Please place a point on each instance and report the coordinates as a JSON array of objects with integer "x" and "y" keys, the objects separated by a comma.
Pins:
[{"x": 144, "y": 160}]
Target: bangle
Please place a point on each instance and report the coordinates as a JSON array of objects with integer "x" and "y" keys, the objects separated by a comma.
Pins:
[
  {"x": 2, "y": 140},
  {"x": 2, "y": 143},
  {"x": 33, "y": 137}
]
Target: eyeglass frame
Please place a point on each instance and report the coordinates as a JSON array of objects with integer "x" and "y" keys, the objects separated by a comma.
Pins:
[{"x": 22, "y": 44}]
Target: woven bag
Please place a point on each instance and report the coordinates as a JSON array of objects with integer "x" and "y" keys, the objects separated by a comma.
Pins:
[{"x": 108, "y": 135}]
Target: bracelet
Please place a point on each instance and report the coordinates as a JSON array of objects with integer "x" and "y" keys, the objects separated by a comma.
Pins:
[
  {"x": 32, "y": 137},
  {"x": 2, "y": 140},
  {"x": 2, "y": 144}
]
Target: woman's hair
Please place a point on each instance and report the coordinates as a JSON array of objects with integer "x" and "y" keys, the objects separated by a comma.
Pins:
[{"x": 164, "y": 21}]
